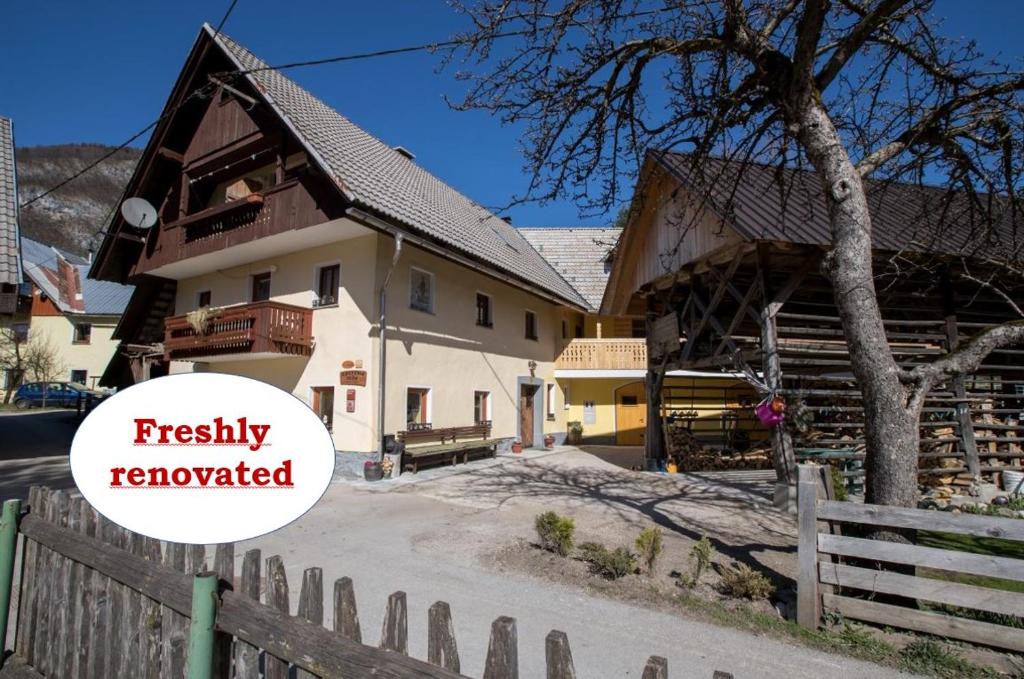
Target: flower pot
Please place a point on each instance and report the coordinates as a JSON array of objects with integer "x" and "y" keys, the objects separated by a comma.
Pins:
[
  {"x": 372, "y": 471},
  {"x": 517, "y": 447},
  {"x": 549, "y": 441},
  {"x": 672, "y": 468}
]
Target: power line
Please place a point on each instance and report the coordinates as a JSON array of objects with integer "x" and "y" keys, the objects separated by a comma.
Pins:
[{"x": 224, "y": 19}]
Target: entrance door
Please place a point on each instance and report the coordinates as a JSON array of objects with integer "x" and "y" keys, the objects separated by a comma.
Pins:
[
  {"x": 630, "y": 414},
  {"x": 526, "y": 414}
]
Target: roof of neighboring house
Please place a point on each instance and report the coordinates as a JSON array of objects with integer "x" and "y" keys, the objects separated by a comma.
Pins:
[
  {"x": 62, "y": 276},
  {"x": 10, "y": 262},
  {"x": 579, "y": 254},
  {"x": 376, "y": 176},
  {"x": 766, "y": 203}
]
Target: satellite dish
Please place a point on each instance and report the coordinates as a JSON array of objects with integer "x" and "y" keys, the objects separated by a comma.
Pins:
[{"x": 139, "y": 213}]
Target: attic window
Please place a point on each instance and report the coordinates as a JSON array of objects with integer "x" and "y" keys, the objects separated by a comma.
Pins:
[{"x": 406, "y": 152}]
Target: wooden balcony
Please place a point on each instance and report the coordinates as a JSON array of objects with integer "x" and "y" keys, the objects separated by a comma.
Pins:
[
  {"x": 260, "y": 329},
  {"x": 603, "y": 354},
  {"x": 8, "y": 302}
]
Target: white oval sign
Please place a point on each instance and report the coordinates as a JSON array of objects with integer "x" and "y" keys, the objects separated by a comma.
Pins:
[{"x": 202, "y": 458}]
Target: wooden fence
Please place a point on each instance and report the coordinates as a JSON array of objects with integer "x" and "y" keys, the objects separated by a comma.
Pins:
[
  {"x": 96, "y": 600},
  {"x": 843, "y": 573}
]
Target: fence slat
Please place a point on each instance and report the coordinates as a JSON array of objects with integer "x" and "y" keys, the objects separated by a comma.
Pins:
[
  {"x": 808, "y": 611},
  {"x": 558, "y": 656},
  {"x": 311, "y": 604},
  {"x": 441, "y": 647},
  {"x": 86, "y": 592},
  {"x": 29, "y": 577},
  {"x": 224, "y": 567},
  {"x": 656, "y": 668},
  {"x": 131, "y": 657},
  {"x": 984, "y": 633},
  {"x": 915, "y": 555},
  {"x": 346, "y": 615},
  {"x": 122, "y": 622},
  {"x": 277, "y": 598},
  {"x": 44, "y": 586},
  {"x": 60, "y": 624},
  {"x": 929, "y": 589},
  {"x": 502, "y": 650},
  {"x": 173, "y": 625},
  {"x": 922, "y": 519},
  {"x": 57, "y": 601},
  {"x": 247, "y": 656},
  {"x": 394, "y": 633},
  {"x": 99, "y": 634},
  {"x": 150, "y": 619},
  {"x": 76, "y": 599}
]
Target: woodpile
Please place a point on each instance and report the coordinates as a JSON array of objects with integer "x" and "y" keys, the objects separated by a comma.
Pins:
[{"x": 692, "y": 456}]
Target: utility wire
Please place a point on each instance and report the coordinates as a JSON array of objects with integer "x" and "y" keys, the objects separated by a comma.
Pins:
[{"x": 224, "y": 19}]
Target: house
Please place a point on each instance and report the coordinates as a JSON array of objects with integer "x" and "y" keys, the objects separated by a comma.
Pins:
[
  {"x": 71, "y": 316},
  {"x": 288, "y": 238},
  {"x": 726, "y": 259},
  {"x": 602, "y": 367}
]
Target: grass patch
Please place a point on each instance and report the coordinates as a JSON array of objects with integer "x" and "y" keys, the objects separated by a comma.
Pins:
[
  {"x": 927, "y": 656},
  {"x": 974, "y": 545}
]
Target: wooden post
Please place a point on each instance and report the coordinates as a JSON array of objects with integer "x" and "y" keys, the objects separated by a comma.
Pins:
[
  {"x": 656, "y": 668},
  {"x": 277, "y": 598},
  {"x": 201, "y": 628},
  {"x": 224, "y": 566},
  {"x": 965, "y": 426},
  {"x": 394, "y": 634},
  {"x": 172, "y": 626},
  {"x": 8, "y": 546},
  {"x": 247, "y": 656},
  {"x": 502, "y": 650},
  {"x": 654, "y": 444},
  {"x": 783, "y": 457},
  {"x": 311, "y": 604},
  {"x": 441, "y": 648},
  {"x": 558, "y": 656},
  {"x": 808, "y": 599},
  {"x": 346, "y": 615}
]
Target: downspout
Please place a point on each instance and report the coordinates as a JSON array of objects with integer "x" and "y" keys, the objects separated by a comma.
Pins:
[{"x": 382, "y": 358}]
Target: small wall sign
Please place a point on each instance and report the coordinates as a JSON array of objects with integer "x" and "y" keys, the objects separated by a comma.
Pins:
[
  {"x": 347, "y": 365},
  {"x": 355, "y": 378},
  {"x": 350, "y": 401}
]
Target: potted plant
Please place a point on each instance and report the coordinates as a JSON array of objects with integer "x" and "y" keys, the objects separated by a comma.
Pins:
[
  {"x": 549, "y": 441},
  {"x": 575, "y": 432},
  {"x": 517, "y": 447},
  {"x": 372, "y": 470}
]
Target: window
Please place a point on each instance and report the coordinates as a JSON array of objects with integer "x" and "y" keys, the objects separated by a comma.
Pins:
[
  {"x": 323, "y": 405},
  {"x": 203, "y": 298},
  {"x": 579, "y": 332},
  {"x": 531, "y": 325},
  {"x": 79, "y": 376},
  {"x": 327, "y": 280},
  {"x": 565, "y": 329},
  {"x": 483, "y": 310},
  {"x": 550, "y": 410},
  {"x": 638, "y": 328},
  {"x": 417, "y": 407},
  {"x": 261, "y": 287},
  {"x": 566, "y": 398},
  {"x": 20, "y": 332},
  {"x": 481, "y": 406},
  {"x": 83, "y": 333},
  {"x": 628, "y": 400},
  {"x": 421, "y": 290}
]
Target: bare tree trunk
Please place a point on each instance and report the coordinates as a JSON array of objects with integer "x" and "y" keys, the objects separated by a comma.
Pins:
[{"x": 891, "y": 424}]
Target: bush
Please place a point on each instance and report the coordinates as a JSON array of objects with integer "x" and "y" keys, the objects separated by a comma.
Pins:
[
  {"x": 612, "y": 564},
  {"x": 838, "y": 484},
  {"x": 743, "y": 582},
  {"x": 648, "y": 545},
  {"x": 702, "y": 554},
  {"x": 555, "y": 532}
]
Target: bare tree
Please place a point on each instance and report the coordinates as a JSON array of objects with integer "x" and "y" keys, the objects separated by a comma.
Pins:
[
  {"x": 28, "y": 355},
  {"x": 850, "y": 89},
  {"x": 13, "y": 340}
]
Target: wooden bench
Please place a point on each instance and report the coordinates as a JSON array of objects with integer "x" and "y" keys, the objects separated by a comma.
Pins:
[{"x": 424, "y": 444}]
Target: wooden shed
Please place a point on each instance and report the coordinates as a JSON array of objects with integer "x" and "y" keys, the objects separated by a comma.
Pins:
[{"x": 726, "y": 263}]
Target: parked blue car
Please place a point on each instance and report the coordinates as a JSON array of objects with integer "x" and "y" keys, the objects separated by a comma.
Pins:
[{"x": 59, "y": 394}]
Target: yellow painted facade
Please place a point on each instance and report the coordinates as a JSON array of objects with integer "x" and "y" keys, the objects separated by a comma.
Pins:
[{"x": 58, "y": 331}]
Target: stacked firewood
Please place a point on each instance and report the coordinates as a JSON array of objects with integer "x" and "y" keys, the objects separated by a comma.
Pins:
[{"x": 690, "y": 455}]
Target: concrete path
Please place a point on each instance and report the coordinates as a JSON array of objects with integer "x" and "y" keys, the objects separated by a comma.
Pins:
[
  {"x": 34, "y": 446},
  {"x": 429, "y": 539}
]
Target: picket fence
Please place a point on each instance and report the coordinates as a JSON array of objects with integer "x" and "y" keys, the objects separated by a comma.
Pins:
[
  {"x": 844, "y": 573},
  {"x": 96, "y": 600}
]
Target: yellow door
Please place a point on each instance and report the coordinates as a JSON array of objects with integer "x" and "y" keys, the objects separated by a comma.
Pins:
[{"x": 630, "y": 414}]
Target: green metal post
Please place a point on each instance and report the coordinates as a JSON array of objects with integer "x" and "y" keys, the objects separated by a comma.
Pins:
[
  {"x": 8, "y": 545},
  {"x": 201, "y": 629}
]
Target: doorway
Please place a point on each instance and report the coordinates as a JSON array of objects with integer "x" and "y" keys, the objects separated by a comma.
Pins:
[
  {"x": 630, "y": 414},
  {"x": 527, "y": 416}
]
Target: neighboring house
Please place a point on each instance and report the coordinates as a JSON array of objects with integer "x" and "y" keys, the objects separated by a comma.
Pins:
[
  {"x": 602, "y": 368},
  {"x": 279, "y": 227},
  {"x": 10, "y": 258},
  {"x": 72, "y": 316}
]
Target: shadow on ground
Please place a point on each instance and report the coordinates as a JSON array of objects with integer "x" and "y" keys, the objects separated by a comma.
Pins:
[{"x": 34, "y": 447}]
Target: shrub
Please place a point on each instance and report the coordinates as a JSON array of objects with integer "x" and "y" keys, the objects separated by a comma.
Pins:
[
  {"x": 648, "y": 545},
  {"x": 838, "y": 484},
  {"x": 612, "y": 564},
  {"x": 555, "y": 532},
  {"x": 927, "y": 656},
  {"x": 743, "y": 582},
  {"x": 702, "y": 554}
]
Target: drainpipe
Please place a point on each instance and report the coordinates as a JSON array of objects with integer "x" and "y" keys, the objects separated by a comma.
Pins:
[{"x": 382, "y": 359}]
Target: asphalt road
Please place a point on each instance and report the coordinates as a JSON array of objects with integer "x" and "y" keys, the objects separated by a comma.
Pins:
[{"x": 34, "y": 448}]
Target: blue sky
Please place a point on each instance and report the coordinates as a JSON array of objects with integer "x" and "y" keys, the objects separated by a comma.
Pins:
[{"x": 99, "y": 71}]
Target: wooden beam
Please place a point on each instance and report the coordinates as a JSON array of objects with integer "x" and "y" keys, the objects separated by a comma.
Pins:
[
  {"x": 738, "y": 317},
  {"x": 965, "y": 425},
  {"x": 170, "y": 154},
  {"x": 716, "y": 298}
]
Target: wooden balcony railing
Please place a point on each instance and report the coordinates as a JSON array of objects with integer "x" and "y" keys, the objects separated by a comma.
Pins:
[
  {"x": 8, "y": 302},
  {"x": 261, "y": 327},
  {"x": 603, "y": 354}
]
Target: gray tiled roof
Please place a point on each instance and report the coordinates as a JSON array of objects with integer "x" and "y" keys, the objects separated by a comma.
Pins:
[
  {"x": 98, "y": 297},
  {"x": 578, "y": 253},
  {"x": 375, "y": 176},
  {"x": 10, "y": 263}
]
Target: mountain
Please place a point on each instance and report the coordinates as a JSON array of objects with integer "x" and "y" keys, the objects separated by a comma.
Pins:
[{"x": 70, "y": 217}]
